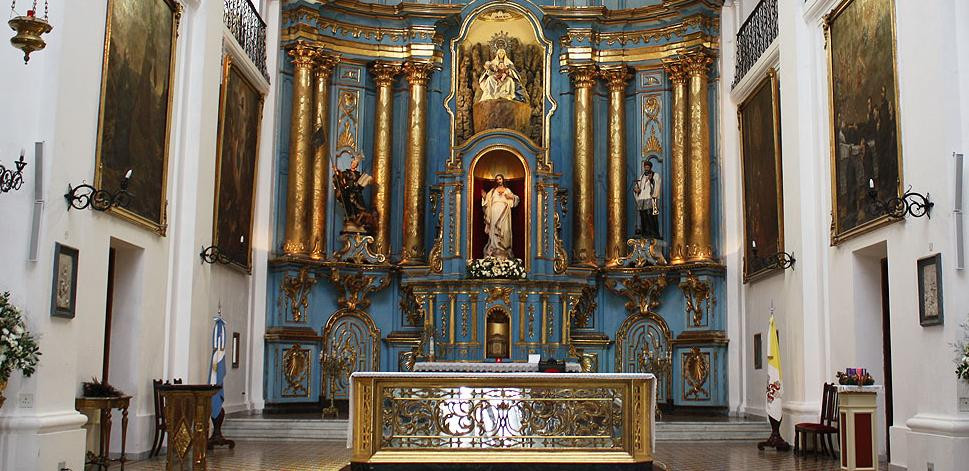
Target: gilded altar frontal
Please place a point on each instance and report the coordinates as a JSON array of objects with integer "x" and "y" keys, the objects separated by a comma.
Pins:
[{"x": 484, "y": 181}]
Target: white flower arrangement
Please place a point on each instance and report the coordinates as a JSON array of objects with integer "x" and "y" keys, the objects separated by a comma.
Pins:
[
  {"x": 491, "y": 267},
  {"x": 962, "y": 354},
  {"x": 18, "y": 348}
]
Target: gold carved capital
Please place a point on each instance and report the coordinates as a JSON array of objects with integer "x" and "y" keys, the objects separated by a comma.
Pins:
[
  {"x": 303, "y": 54},
  {"x": 583, "y": 75},
  {"x": 384, "y": 72},
  {"x": 697, "y": 64},
  {"x": 616, "y": 76},
  {"x": 325, "y": 63},
  {"x": 676, "y": 71},
  {"x": 418, "y": 72}
]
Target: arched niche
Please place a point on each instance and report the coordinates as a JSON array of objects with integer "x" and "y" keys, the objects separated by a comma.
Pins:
[
  {"x": 512, "y": 165},
  {"x": 642, "y": 337},
  {"x": 351, "y": 339},
  {"x": 497, "y": 333}
]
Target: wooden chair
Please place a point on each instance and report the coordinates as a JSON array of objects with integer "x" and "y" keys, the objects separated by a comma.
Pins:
[
  {"x": 160, "y": 426},
  {"x": 826, "y": 426}
]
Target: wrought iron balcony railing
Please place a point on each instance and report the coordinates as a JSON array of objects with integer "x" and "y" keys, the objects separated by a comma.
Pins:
[
  {"x": 755, "y": 36},
  {"x": 243, "y": 20}
]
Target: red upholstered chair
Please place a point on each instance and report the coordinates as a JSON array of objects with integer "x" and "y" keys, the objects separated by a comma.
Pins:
[{"x": 825, "y": 427}]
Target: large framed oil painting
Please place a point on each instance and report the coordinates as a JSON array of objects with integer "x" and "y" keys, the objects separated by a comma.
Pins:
[
  {"x": 863, "y": 99},
  {"x": 760, "y": 126},
  {"x": 240, "y": 111},
  {"x": 134, "y": 120}
]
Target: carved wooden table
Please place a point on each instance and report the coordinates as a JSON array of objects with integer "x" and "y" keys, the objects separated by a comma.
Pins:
[
  {"x": 105, "y": 405},
  {"x": 188, "y": 410}
]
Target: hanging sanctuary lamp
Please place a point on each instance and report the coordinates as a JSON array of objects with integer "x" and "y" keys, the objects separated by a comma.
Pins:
[{"x": 29, "y": 29}]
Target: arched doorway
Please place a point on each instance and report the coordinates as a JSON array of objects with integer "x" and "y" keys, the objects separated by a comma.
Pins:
[{"x": 513, "y": 168}]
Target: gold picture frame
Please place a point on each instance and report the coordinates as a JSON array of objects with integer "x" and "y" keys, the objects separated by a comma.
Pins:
[
  {"x": 766, "y": 93},
  {"x": 874, "y": 26},
  {"x": 237, "y": 150},
  {"x": 135, "y": 111}
]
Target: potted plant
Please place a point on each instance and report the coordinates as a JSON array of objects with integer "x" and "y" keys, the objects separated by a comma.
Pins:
[
  {"x": 18, "y": 348},
  {"x": 962, "y": 354}
]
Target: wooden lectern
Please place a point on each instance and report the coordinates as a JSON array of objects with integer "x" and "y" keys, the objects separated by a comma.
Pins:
[
  {"x": 188, "y": 410},
  {"x": 857, "y": 410}
]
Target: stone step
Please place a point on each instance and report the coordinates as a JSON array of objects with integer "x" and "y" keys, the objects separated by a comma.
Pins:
[{"x": 260, "y": 428}]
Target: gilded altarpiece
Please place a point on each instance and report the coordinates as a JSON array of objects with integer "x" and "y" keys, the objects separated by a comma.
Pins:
[{"x": 435, "y": 102}]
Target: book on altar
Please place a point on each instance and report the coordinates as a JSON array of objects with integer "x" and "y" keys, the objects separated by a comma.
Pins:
[
  {"x": 534, "y": 358},
  {"x": 364, "y": 180}
]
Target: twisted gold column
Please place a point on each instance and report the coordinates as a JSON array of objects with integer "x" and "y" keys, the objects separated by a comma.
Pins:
[
  {"x": 383, "y": 73},
  {"x": 616, "y": 78},
  {"x": 699, "y": 243},
  {"x": 300, "y": 150},
  {"x": 583, "y": 240},
  {"x": 678, "y": 167},
  {"x": 412, "y": 249},
  {"x": 321, "y": 155}
]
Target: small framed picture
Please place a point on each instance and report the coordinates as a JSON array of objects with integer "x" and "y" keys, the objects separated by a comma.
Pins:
[
  {"x": 930, "y": 290},
  {"x": 758, "y": 352},
  {"x": 235, "y": 350},
  {"x": 64, "y": 286}
]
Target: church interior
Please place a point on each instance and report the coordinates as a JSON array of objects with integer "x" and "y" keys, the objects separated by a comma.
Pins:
[{"x": 571, "y": 235}]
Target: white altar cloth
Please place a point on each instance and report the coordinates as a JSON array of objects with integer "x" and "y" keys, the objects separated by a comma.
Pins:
[
  {"x": 563, "y": 376},
  {"x": 486, "y": 367}
]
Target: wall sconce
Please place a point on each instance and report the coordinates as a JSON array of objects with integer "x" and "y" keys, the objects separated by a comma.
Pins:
[
  {"x": 29, "y": 29},
  {"x": 911, "y": 203},
  {"x": 782, "y": 260},
  {"x": 213, "y": 253},
  {"x": 10, "y": 179},
  {"x": 86, "y": 196}
]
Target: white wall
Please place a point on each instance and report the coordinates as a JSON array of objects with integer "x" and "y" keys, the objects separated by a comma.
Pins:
[
  {"x": 828, "y": 306},
  {"x": 164, "y": 298}
]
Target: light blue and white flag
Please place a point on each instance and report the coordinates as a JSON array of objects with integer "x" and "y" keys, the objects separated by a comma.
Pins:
[{"x": 217, "y": 367}]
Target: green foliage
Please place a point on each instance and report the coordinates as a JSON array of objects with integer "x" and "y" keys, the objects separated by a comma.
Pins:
[
  {"x": 962, "y": 354},
  {"x": 18, "y": 348}
]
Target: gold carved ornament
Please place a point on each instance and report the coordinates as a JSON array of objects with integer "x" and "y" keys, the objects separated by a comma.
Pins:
[
  {"x": 412, "y": 305},
  {"x": 498, "y": 294},
  {"x": 435, "y": 258},
  {"x": 348, "y": 120},
  {"x": 643, "y": 293},
  {"x": 296, "y": 289},
  {"x": 643, "y": 253},
  {"x": 583, "y": 307},
  {"x": 699, "y": 299},
  {"x": 357, "y": 250},
  {"x": 560, "y": 262},
  {"x": 355, "y": 288},
  {"x": 696, "y": 371},
  {"x": 295, "y": 370}
]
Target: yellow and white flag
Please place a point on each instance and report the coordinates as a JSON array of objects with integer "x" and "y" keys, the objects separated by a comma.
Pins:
[{"x": 774, "y": 388}]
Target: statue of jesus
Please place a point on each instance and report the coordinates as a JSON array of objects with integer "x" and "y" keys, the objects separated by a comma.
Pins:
[{"x": 497, "y": 204}]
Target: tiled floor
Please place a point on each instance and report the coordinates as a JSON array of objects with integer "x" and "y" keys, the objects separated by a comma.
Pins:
[{"x": 676, "y": 456}]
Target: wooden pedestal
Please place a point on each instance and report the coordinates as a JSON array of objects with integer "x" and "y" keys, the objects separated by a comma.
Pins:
[
  {"x": 188, "y": 410},
  {"x": 858, "y": 419}
]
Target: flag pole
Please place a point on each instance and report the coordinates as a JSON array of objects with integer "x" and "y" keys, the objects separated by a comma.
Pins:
[{"x": 774, "y": 389}]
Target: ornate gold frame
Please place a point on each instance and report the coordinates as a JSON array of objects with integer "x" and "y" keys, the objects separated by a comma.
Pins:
[
  {"x": 469, "y": 184},
  {"x": 770, "y": 81},
  {"x": 160, "y": 226},
  {"x": 838, "y": 237},
  {"x": 223, "y": 94},
  {"x": 545, "y": 161}
]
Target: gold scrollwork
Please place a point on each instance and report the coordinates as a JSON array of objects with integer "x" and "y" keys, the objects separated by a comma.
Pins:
[
  {"x": 642, "y": 253},
  {"x": 348, "y": 120},
  {"x": 351, "y": 342},
  {"x": 435, "y": 257},
  {"x": 412, "y": 305},
  {"x": 296, "y": 367},
  {"x": 583, "y": 307},
  {"x": 643, "y": 293},
  {"x": 498, "y": 293},
  {"x": 696, "y": 371},
  {"x": 296, "y": 290},
  {"x": 357, "y": 249},
  {"x": 464, "y": 319},
  {"x": 355, "y": 287},
  {"x": 699, "y": 299},
  {"x": 561, "y": 261}
]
